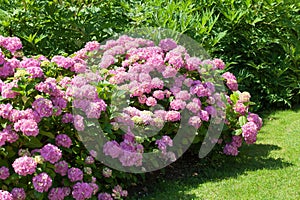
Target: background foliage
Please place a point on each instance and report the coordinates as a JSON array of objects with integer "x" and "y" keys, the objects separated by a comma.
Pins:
[{"x": 259, "y": 40}]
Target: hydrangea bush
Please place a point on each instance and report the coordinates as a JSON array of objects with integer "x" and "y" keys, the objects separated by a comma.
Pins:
[{"x": 43, "y": 155}]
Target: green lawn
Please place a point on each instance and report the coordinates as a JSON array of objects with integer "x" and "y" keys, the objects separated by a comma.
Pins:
[{"x": 269, "y": 169}]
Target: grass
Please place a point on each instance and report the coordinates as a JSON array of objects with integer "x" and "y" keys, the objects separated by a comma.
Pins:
[{"x": 269, "y": 169}]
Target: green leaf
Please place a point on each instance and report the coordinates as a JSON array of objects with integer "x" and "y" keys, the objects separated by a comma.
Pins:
[
  {"x": 33, "y": 142},
  {"x": 237, "y": 132},
  {"x": 242, "y": 120},
  {"x": 48, "y": 134},
  {"x": 38, "y": 195},
  {"x": 234, "y": 97}
]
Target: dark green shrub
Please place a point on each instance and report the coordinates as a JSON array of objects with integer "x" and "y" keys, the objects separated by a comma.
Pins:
[{"x": 56, "y": 26}]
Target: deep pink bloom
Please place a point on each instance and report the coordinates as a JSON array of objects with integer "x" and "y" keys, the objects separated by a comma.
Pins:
[
  {"x": 61, "y": 168},
  {"x": 51, "y": 153},
  {"x": 82, "y": 191},
  {"x": 30, "y": 62},
  {"x": 230, "y": 149},
  {"x": 240, "y": 108},
  {"x": 18, "y": 194},
  {"x": 75, "y": 174},
  {"x": 167, "y": 44},
  {"x": 4, "y": 173},
  {"x": 67, "y": 118},
  {"x": 219, "y": 63},
  {"x": 252, "y": 117},
  {"x": 105, "y": 196},
  {"x": 44, "y": 107},
  {"x": 59, "y": 193},
  {"x": 231, "y": 81},
  {"x": 151, "y": 101},
  {"x": 249, "y": 132},
  {"x": 11, "y": 43},
  {"x": 177, "y": 104},
  {"x": 172, "y": 116},
  {"x": 78, "y": 123},
  {"x": 92, "y": 46},
  {"x": 63, "y": 62},
  {"x": 5, "y": 195},
  {"x": 28, "y": 127},
  {"x": 42, "y": 182},
  {"x": 24, "y": 165},
  {"x": 63, "y": 140},
  {"x": 112, "y": 148},
  {"x": 195, "y": 121}
]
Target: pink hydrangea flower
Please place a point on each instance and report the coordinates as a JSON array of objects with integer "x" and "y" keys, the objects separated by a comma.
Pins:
[
  {"x": 92, "y": 46},
  {"x": 230, "y": 149},
  {"x": 5, "y": 110},
  {"x": 63, "y": 140},
  {"x": 104, "y": 196},
  {"x": 18, "y": 194},
  {"x": 106, "y": 61},
  {"x": 4, "y": 173},
  {"x": 240, "y": 108},
  {"x": 204, "y": 115},
  {"x": 67, "y": 118},
  {"x": 2, "y": 58},
  {"x": 24, "y": 165},
  {"x": 42, "y": 182},
  {"x": 7, "y": 91},
  {"x": 231, "y": 81},
  {"x": 78, "y": 123},
  {"x": 63, "y": 62},
  {"x": 82, "y": 191},
  {"x": 30, "y": 62},
  {"x": 177, "y": 104},
  {"x": 11, "y": 43},
  {"x": 5, "y": 195},
  {"x": 51, "y": 153},
  {"x": 59, "y": 193},
  {"x": 27, "y": 126},
  {"x": 118, "y": 192},
  {"x": 8, "y": 135},
  {"x": 151, "y": 101},
  {"x": 172, "y": 116},
  {"x": 167, "y": 44},
  {"x": 249, "y": 132},
  {"x": 164, "y": 142},
  {"x": 75, "y": 174},
  {"x": 219, "y": 63},
  {"x": 61, "y": 168},
  {"x": 193, "y": 63},
  {"x": 112, "y": 148},
  {"x": 169, "y": 72},
  {"x": 195, "y": 121},
  {"x": 89, "y": 160},
  {"x": 44, "y": 107},
  {"x": 252, "y": 117},
  {"x": 158, "y": 94}
]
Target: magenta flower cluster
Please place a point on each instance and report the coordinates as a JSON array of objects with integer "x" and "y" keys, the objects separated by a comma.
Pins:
[{"x": 40, "y": 95}]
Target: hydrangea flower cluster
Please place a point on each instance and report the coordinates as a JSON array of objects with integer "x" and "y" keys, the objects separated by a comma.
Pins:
[
  {"x": 42, "y": 182},
  {"x": 40, "y": 129}
]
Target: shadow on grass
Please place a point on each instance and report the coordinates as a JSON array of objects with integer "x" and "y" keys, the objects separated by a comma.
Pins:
[{"x": 189, "y": 171}]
